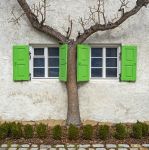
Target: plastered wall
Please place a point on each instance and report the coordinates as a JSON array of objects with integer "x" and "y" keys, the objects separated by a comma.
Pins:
[{"x": 101, "y": 100}]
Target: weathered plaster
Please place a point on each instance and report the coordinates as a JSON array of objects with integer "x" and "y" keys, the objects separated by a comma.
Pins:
[{"x": 100, "y": 100}]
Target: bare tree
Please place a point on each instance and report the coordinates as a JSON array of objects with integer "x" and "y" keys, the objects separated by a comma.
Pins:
[{"x": 37, "y": 17}]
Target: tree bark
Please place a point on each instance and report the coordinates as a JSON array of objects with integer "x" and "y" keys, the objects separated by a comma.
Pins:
[{"x": 73, "y": 113}]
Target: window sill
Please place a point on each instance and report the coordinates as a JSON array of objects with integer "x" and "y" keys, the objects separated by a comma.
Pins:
[
  {"x": 95, "y": 80},
  {"x": 45, "y": 78},
  {"x": 108, "y": 78}
]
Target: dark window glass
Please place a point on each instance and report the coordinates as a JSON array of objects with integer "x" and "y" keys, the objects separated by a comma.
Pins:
[
  {"x": 53, "y": 62},
  {"x": 111, "y": 62},
  {"x": 111, "y": 52},
  {"x": 38, "y": 51},
  {"x": 96, "y": 52},
  {"x": 96, "y": 72},
  {"x": 38, "y": 62},
  {"x": 111, "y": 72},
  {"x": 39, "y": 72},
  {"x": 96, "y": 62},
  {"x": 53, "y": 51},
  {"x": 53, "y": 72}
]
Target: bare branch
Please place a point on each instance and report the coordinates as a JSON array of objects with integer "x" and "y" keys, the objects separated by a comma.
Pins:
[
  {"x": 142, "y": 2},
  {"x": 82, "y": 23},
  {"x": 98, "y": 11},
  {"x": 96, "y": 15},
  {"x": 40, "y": 10},
  {"x": 111, "y": 25},
  {"x": 37, "y": 17},
  {"x": 124, "y": 4},
  {"x": 45, "y": 9},
  {"x": 103, "y": 12},
  {"x": 92, "y": 15},
  {"x": 69, "y": 29},
  {"x": 115, "y": 18},
  {"x": 39, "y": 25}
]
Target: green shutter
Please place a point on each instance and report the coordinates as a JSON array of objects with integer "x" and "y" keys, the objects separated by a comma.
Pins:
[
  {"x": 83, "y": 63},
  {"x": 63, "y": 62},
  {"x": 128, "y": 64},
  {"x": 21, "y": 63}
]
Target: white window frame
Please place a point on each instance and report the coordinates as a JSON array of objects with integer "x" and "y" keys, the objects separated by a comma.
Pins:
[
  {"x": 104, "y": 61},
  {"x": 46, "y": 61}
]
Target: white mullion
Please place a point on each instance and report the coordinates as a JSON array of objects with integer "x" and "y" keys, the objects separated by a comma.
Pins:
[
  {"x": 39, "y": 56},
  {"x": 111, "y": 57},
  {"x": 96, "y": 57},
  {"x": 118, "y": 61},
  {"x": 39, "y": 67},
  {"x": 46, "y": 61},
  {"x": 90, "y": 63},
  {"x": 53, "y": 56},
  {"x": 104, "y": 63},
  {"x": 53, "y": 67},
  {"x": 96, "y": 67},
  {"x": 111, "y": 67}
]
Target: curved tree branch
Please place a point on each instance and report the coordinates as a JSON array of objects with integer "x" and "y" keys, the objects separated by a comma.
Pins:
[
  {"x": 103, "y": 27},
  {"x": 39, "y": 25},
  {"x": 33, "y": 18}
]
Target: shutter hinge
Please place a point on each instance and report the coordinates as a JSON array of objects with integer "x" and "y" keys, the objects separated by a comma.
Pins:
[
  {"x": 30, "y": 76},
  {"x": 120, "y": 56},
  {"x": 120, "y": 77},
  {"x": 29, "y": 54}
]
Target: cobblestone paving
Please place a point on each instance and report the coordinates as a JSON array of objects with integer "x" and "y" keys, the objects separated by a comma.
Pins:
[{"x": 74, "y": 147}]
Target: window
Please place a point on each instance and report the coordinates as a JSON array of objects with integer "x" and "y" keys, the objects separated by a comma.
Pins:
[
  {"x": 53, "y": 62},
  {"x": 39, "y": 63},
  {"x": 104, "y": 62},
  {"x": 45, "y": 62}
]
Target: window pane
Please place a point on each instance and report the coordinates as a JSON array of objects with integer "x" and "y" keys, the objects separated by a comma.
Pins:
[
  {"x": 38, "y": 62},
  {"x": 53, "y": 62},
  {"x": 111, "y": 52},
  {"x": 53, "y": 51},
  {"x": 96, "y": 72},
  {"x": 96, "y": 52},
  {"x": 53, "y": 72},
  {"x": 111, "y": 72},
  {"x": 111, "y": 62},
  {"x": 96, "y": 62},
  {"x": 38, "y": 51},
  {"x": 39, "y": 72}
]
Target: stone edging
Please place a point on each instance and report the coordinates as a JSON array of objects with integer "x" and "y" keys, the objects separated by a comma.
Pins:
[{"x": 75, "y": 147}]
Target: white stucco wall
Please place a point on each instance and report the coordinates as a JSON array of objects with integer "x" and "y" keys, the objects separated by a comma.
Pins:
[{"x": 100, "y": 100}]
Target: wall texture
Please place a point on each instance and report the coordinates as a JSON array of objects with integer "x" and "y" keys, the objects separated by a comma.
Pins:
[{"x": 100, "y": 100}]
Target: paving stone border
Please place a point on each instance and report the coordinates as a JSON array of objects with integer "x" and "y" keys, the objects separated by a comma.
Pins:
[{"x": 74, "y": 147}]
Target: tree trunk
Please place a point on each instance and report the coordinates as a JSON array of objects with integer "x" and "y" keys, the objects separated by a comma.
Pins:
[{"x": 73, "y": 113}]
